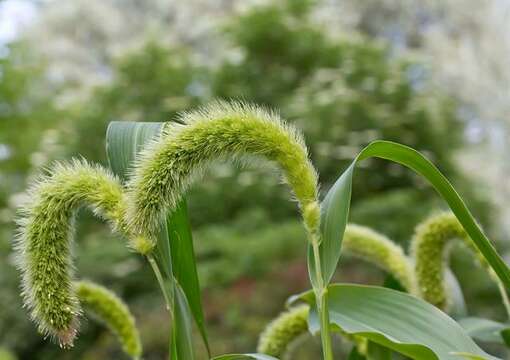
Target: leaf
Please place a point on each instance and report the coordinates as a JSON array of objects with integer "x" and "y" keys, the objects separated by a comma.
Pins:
[
  {"x": 184, "y": 264},
  {"x": 182, "y": 332},
  {"x": 334, "y": 217},
  {"x": 395, "y": 320},
  {"x": 244, "y": 357},
  {"x": 335, "y": 208},
  {"x": 124, "y": 139},
  {"x": 123, "y": 142},
  {"x": 484, "y": 329}
]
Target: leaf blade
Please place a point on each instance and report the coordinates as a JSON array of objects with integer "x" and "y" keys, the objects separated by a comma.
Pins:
[
  {"x": 341, "y": 192},
  {"x": 395, "y": 320}
]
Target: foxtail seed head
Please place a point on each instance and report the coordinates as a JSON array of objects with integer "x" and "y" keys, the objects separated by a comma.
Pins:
[
  {"x": 364, "y": 243},
  {"x": 430, "y": 247},
  {"x": 283, "y": 330},
  {"x": 46, "y": 232},
  {"x": 112, "y": 311},
  {"x": 166, "y": 168}
]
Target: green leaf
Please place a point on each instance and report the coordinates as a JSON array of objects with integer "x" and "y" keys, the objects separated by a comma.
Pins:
[
  {"x": 334, "y": 217},
  {"x": 395, "y": 320},
  {"x": 484, "y": 329},
  {"x": 182, "y": 332},
  {"x": 244, "y": 357},
  {"x": 123, "y": 142},
  {"x": 124, "y": 139},
  {"x": 184, "y": 264},
  {"x": 335, "y": 208}
]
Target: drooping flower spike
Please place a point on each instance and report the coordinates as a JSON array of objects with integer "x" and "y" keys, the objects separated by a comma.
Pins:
[
  {"x": 283, "y": 330},
  {"x": 111, "y": 310},
  {"x": 167, "y": 167},
  {"x": 280, "y": 336},
  {"x": 44, "y": 242},
  {"x": 430, "y": 247},
  {"x": 365, "y": 243}
]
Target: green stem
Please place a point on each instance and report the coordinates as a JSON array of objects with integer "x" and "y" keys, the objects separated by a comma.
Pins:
[
  {"x": 321, "y": 298},
  {"x": 161, "y": 282},
  {"x": 168, "y": 301}
]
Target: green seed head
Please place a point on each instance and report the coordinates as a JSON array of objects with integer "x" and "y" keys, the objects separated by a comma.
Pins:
[
  {"x": 110, "y": 310},
  {"x": 283, "y": 330},
  {"x": 43, "y": 245},
  {"x": 430, "y": 248},
  {"x": 362, "y": 242},
  {"x": 166, "y": 168}
]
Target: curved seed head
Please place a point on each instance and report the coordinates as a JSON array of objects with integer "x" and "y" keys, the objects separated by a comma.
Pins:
[
  {"x": 364, "y": 243},
  {"x": 112, "y": 311},
  {"x": 430, "y": 247},
  {"x": 43, "y": 245},
  {"x": 167, "y": 167},
  {"x": 282, "y": 331}
]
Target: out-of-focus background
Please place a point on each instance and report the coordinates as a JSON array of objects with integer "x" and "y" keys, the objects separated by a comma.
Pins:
[{"x": 431, "y": 74}]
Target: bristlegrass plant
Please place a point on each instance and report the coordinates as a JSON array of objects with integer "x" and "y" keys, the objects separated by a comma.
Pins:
[
  {"x": 422, "y": 274},
  {"x": 148, "y": 208}
]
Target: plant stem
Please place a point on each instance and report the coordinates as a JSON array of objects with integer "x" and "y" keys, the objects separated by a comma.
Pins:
[
  {"x": 161, "y": 282},
  {"x": 321, "y": 298}
]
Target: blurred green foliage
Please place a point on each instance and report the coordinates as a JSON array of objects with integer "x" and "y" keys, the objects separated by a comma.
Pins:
[{"x": 342, "y": 91}]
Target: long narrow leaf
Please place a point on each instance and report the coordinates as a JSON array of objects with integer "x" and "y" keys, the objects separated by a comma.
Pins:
[
  {"x": 182, "y": 334},
  {"x": 335, "y": 208},
  {"x": 184, "y": 264}
]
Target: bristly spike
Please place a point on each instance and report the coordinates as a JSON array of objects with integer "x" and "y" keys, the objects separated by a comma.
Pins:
[
  {"x": 111, "y": 310},
  {"x": 430, "y": 246},
  {"x": 283, "y": 330},
  {"x": 43, "y": 245},
  {"x": 365, "y": 243},
  {"x": 166, "y": 168}
]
